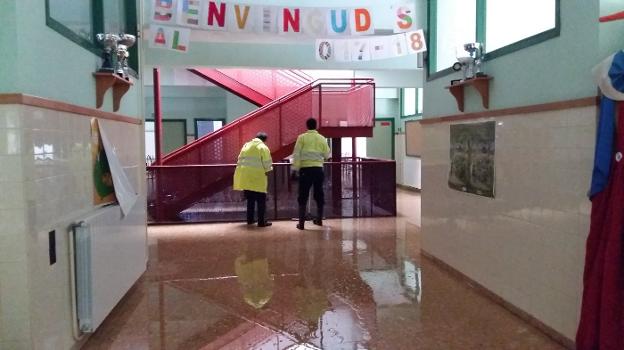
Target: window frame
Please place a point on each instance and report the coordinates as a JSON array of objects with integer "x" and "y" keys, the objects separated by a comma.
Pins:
[
  {"x": 481, "y": 6},
  {"x": 97, "y": 26},
  {"x": 195, "y": 120},
  {"x": 402, "y": 112}
]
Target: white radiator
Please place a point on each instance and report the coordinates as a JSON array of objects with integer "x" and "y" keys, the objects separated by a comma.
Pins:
[{"x": 109, "y": 256}]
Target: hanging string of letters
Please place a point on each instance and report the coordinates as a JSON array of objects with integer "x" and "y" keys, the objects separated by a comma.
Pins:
[{"x": 173, "y": 20}]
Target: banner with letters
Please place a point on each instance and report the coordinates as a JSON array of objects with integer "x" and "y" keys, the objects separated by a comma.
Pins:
[{"x": 173, "y": 20}]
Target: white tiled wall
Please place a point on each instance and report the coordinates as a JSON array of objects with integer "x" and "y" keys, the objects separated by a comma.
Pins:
[
  {"x": 527, "y": 244},
  {"x": 46, "y": 184}
]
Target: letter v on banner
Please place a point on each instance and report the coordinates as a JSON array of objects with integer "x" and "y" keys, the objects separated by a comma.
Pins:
[{"x": 240, "y": 18}]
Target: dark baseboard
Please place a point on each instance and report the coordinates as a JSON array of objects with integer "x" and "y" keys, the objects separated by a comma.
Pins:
[{"x": 408, "y": 188}]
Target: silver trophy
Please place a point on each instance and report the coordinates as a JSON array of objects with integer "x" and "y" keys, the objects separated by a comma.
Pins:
[
  {"x": 126, "y": 41},
  {"x": 109, "y": 44},
  {"x": 470, "y": 58}
]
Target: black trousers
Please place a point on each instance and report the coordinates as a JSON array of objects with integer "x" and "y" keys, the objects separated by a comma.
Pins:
[
  {"x": 312, "y": 177},
  {"x": 253, "y": 198}
]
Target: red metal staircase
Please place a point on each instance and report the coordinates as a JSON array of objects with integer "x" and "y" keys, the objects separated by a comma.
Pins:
[
  {"x": 343, "y": 108},
  {"x": 258, "y": 86}
]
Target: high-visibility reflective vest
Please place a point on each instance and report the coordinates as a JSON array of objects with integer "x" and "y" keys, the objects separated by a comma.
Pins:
[
  {"x": 254, "y": 161},
  {"x": 311, "y": 150}
]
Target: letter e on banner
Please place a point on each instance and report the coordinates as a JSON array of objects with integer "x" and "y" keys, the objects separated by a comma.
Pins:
[
  {"x": 361, "y": 22},
  {"x": 324, "y": 50},
  {"x": 163, "y": 10},
  {"x": 416, "y": 41}
]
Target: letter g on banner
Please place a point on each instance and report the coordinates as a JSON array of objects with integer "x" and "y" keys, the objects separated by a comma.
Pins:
[{"x": 324, "y": 50}]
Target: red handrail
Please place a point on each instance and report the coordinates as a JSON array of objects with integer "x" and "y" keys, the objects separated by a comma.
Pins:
[{"x": 351, "y": 82}]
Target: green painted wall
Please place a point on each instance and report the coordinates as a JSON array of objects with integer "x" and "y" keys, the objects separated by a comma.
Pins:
[
  {"x": 611, "y": 33},
  {"x": 554, "y": 70},
  {"x": 46, "y": 64},
  {"x": 8, "y": 47}
]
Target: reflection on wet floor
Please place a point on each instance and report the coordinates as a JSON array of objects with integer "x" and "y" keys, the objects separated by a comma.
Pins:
[{"x": 354, "y": 284}]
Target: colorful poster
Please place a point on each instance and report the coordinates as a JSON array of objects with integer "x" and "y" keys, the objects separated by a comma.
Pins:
[
  {"x": 472, "y": 158},
  {"x": 103, "y": 187},
  {"x": 404, "y": 17},
  {"x": 163, "y": 11},
  {"x": 171, "y": 38}
]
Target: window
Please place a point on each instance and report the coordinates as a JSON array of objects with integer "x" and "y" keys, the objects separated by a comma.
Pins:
[
  {"x": 81, "y": 20},
  {"x": 502, "y": 26},
  {"x": 206, "y": 126},
  {"x": 411, "y": 102}
]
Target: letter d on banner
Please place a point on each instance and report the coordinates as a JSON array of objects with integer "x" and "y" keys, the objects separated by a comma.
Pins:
[
  {"x": 324, "y": 50},
  {"x": 361, "y": 22}
]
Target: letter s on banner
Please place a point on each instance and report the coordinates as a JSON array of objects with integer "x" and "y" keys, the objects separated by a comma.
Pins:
[
  {"x": 324, "y": 50},
  {"x": 416, "y": 41}
]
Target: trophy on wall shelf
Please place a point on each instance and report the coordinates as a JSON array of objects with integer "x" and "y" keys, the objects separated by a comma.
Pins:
[
  {"x": 126, "y": 41},
  {"x": 109, "y": 44},
  {"x": 469, "y": 60}
]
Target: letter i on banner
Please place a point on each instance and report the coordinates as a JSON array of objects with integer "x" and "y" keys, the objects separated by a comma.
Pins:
[
  {"x": 215, "y": 13},
  {"x": 324, "y": 50},
  {"x": 416, "y": 41},
  {"x": 266, "y": 19},
  {"x": 163, "y": 10},
  {"x": 404, "y": 20},
  {"x": 189, "y": 13}
]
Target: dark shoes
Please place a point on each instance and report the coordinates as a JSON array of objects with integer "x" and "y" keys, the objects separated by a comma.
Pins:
[
  {"x": 250, "y": 222},
  {"x": 300, "y": 227},
  {"x": 265, "y": 224},
  {"x": 317, "y": 222}
]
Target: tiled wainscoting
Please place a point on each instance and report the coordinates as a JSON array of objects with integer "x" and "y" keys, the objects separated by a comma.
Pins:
[
  {"x": 46, "y": 183},
  {"x": 527, "y": 244}
]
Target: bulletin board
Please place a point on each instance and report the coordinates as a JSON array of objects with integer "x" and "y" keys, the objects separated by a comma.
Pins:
[{"x": 413, "y": 138}]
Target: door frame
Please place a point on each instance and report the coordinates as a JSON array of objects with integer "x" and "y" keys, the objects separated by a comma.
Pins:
[
  {"x": 392, "y": 135},
  {"x": 173, "y": 120},
  {"x": 195, "y": 120}
]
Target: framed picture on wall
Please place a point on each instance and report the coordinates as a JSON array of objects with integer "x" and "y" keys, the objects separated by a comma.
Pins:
[
  {"x": 413, "y": 138},
  {"x": 472, "y": 149}
]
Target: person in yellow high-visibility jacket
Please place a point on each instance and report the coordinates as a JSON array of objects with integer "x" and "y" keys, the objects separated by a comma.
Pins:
[
  {"x": 311, "y": 150},
  {"x": 254, "y": 161}
]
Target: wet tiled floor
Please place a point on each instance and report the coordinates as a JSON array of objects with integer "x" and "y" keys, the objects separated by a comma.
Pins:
[{"x": 353, "y": 284}]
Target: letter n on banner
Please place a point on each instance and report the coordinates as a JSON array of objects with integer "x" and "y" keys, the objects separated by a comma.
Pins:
[
  {"x": 361, "y": 22},
  {"x": 290, "y": 20},
  {"x": 215, "y": 14}
]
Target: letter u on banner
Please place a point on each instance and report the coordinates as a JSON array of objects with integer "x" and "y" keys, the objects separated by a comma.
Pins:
[{"x": 338, "y": 22}]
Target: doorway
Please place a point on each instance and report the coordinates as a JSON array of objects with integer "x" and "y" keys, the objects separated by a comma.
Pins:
[{"x": 381, "y": 145}]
